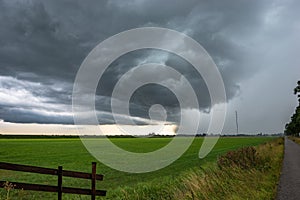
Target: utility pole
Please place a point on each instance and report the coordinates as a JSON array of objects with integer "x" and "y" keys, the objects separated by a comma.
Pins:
[{"x": 236, "y": 122}]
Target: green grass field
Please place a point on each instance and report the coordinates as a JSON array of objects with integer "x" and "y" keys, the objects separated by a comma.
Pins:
[{"x": 72, "y": 155}]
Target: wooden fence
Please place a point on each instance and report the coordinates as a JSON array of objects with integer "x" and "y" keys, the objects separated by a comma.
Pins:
[{"x": 59, "y": 172}]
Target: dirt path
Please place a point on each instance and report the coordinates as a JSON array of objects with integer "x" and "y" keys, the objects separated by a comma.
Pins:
[{"x": 289, "y": 185}]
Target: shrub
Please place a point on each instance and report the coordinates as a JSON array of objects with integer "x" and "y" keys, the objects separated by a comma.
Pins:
[{"x": 244, "y": 158}]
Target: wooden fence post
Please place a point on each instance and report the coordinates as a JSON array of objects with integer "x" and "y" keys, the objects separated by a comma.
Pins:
[
  {"x": 59, "y": 182},
  {"x": 94, "y": 165},
  {"x": 59, "y": 172}
]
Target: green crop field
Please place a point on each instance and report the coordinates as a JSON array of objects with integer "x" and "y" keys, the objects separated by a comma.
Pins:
[{"x": 72, "y": 155}]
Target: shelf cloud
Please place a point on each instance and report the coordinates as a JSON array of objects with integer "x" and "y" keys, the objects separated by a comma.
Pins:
[{"x": 43, "y": 43}]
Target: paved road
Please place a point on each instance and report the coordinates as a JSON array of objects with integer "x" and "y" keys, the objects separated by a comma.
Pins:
[{"x": 289, "y": 184}]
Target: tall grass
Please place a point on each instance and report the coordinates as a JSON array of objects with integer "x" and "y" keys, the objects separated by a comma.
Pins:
[{"x": 246, "y": 173}]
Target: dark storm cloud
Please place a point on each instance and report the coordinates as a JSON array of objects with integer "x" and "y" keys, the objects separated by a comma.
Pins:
[{"x": 46, "y": 41}]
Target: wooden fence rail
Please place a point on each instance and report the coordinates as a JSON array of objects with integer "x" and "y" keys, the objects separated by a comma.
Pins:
[{"x": 59, "y": 172}]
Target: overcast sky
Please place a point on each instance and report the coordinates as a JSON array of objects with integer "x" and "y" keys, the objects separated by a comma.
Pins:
[{"x": 255, "y": 45}]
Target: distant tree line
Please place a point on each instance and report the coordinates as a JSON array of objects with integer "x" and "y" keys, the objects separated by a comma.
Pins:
[{"x": 293, "y": 127}]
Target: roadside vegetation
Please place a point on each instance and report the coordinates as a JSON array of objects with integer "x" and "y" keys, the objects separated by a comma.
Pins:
[
  {"x": 246, "y": 173},
  {"x": 295, "y": 139},
  {"x": 293, "y": 127}
]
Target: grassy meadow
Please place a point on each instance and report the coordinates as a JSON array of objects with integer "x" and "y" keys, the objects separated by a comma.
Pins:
[{"x": 72, "y": 155}]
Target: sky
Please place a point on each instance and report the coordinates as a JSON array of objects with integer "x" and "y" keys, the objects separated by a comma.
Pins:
[
  {"x": 255, "y": 45},
  {"x": 8, "y": 128}
]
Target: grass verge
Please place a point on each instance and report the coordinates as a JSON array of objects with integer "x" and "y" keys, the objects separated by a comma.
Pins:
[
  {"x": 246, "y": 173},
  {"x": 295, "y": 139}
]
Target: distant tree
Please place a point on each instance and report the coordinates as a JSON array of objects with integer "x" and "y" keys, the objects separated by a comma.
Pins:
[
  {"x": 293, "y": 127},
  {"x": 297, "y": 90}
]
